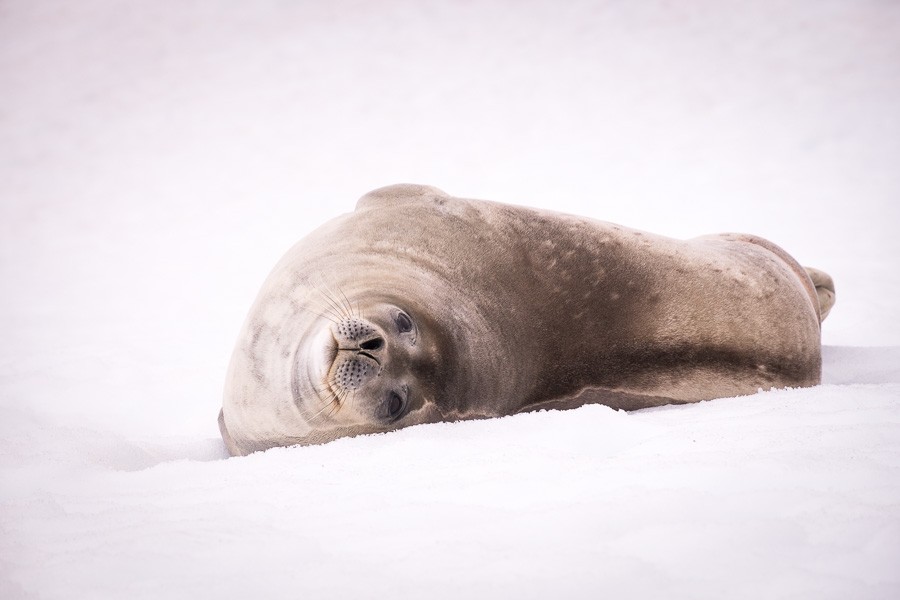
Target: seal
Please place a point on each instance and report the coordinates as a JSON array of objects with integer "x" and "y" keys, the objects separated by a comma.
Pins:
[{"x": 419, "y": 307}]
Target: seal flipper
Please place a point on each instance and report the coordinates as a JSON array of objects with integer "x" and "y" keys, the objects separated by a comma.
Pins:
[
  {"x": 824, "y": 290},
  {"x": 613, "y": 399}
]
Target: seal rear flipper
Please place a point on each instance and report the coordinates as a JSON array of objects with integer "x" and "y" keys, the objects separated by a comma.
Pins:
[
  {"x": 801, "y": 272},
  {"x": 613, "y": 399},
  {"x": 824, "y": 290}
]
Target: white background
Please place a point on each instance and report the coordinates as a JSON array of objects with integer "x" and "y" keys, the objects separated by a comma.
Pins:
[{"x": 157, "y": 158}]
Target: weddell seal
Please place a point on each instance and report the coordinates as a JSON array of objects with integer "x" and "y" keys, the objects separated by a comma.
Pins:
[{"x": 418, "y": 307}]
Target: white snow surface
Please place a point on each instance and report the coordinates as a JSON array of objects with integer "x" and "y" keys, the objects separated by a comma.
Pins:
[{"x": 158, "y": 157}]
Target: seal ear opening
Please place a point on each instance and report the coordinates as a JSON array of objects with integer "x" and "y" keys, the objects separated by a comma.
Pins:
[{"x": 226, "y": 437}]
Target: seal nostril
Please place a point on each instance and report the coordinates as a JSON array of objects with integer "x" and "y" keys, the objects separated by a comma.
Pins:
[{"x": 373, "y": 344}]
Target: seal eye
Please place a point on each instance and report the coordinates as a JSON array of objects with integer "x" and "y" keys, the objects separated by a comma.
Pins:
[
  {"x": 395, "y": 405},
  {"x": 404, "y": 323}
]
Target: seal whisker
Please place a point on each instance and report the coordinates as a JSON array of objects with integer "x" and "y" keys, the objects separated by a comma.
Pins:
[
  {"x": 333, "y": 307},
  {"x": 344, "y": 296},
  {"x": 328, "y": 316},
  {"x": 337, "y": 300},
  {"x": 336, "y": 406},
  {"x": 321, "y": 410},
  {"x": 336, "y": 305},
  {"x": 328, "y": 390},
  {"x": 332, "y": 313},
  {"x": 323, "y": 389}
]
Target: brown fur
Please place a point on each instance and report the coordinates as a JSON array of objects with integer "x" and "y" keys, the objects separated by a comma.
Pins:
[{"x": 521, "y": 309}]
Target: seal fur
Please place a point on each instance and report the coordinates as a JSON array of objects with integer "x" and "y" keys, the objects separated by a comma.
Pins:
[{"x": 419, "y": 307}]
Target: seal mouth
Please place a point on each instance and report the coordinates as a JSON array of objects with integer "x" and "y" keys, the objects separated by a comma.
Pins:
[
  {"x": 333, "y": 378},
  {"x": 331, "y": 350},
  {"x": 351, "y": 370},
  {"x": 314, "y": 391},
  {"x": 366, "y": 354},
  {"x": 362, "y": 348}
]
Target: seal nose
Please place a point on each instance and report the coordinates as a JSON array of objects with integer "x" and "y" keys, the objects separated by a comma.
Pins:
[
  {"x": 358, "y": 358},
  {"x": 357, "y": 333}
]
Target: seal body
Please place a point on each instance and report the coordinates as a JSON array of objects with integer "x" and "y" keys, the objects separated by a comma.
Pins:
[{"x": 419, "y": 307}]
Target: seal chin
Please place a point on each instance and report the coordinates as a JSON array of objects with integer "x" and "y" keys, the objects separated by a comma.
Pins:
[{"x": 311, "y": 369}]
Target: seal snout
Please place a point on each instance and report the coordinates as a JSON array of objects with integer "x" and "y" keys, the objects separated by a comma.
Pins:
[
  {"x": 354, "y": 333},
  {"x": 359, "y": 357},
  {"x": 353, "y": 372}
]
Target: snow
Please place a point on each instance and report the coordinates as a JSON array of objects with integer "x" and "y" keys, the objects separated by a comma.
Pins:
[{"x": 157, "y": 158}]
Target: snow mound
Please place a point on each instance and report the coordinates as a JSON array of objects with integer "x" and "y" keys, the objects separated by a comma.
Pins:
[{"x": 790, "y": 490}]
